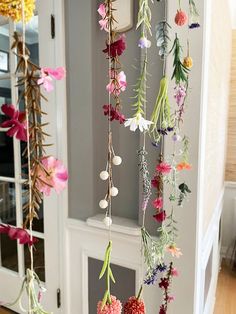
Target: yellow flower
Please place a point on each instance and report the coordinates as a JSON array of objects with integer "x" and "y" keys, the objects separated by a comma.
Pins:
[
  {"x": 188, "y": 62},
  {"x": 13, "y": 9}
]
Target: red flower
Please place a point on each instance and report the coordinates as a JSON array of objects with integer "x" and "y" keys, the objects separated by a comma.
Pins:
[
  {"x": 158, "y": 203},
  {"x": 162, "y": 310},
  {"x": 134, "y": 306},
  {"x": 16, "y": 122},
  {"x": 164, "y": 283},
  {"x": 160, "y": 217},
  {"x": 164, "y": 168},
  {"x": 181, "y": 18},
  {"x": 117, "y": 48},
  {"x": 113, "y": 113},
  {"x": 17, "y": 234},
  {"x": 156, "y": 182}
]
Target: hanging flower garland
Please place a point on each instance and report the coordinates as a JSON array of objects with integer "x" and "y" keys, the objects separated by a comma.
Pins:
[
  {"x": 43, "y": 172},
  {"x": 115, "y": 46}
]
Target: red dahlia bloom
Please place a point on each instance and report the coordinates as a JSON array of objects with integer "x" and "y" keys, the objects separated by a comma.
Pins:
[
  {"x": 162, "y": 310},
  {"x": 134, "y": 306},
  {"x": 117, "y": 48}
]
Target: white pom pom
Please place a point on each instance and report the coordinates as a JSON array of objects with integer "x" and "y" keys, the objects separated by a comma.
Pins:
[
  {"x": 107, "y": 221},
  {"x": 103, "y": 204},
  {"x": 104, "y": 175},
  {"x": 114, "y": 191},
  {"x": 117, "y": 160}
]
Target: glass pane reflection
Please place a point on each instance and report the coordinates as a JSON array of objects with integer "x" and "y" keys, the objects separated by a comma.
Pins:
[
  {"x": 4, "y": 46},
  {"x": 9, "y": 253},
  {"x": 7, "y": 203},
  {"x": 6, "y": 156}
]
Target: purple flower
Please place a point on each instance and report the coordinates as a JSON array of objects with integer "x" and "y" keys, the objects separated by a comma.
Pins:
[
  {"x": 194, "y": 25},
  {"x": 152, "y": 278},
  {"x": 180, "y": 94},
  {"x": 144, "y": 43}
]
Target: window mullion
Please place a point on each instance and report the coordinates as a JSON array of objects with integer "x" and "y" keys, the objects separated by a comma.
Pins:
[{"x": 17, "y": 156}]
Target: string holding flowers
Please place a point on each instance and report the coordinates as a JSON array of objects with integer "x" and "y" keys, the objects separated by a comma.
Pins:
[{"x": 194, "y": 15}]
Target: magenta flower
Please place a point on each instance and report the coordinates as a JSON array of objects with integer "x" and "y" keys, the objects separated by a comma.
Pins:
[
  {"x": 17, "y": 234},
  {"x": 117, "y": 84},
  {"x": 160, "y": 217},
  {"x": 56, "y": 176},
  {"x": 102, "y": 10},
  {"x": 104, "y": 25},
  {"x": 164, "y": 168},
  {"x": 134, "y": 306},
  {"x": 158, "y": 203},
  {"x": 171, "y": 298},
  {"x": 16, "y": 122},
  {"x": 116, "y": 48},
  {"x": 164, "y": 283},
  {"x": 47, "y": 74},
  {"x": 156, "y": 182},
  {"x": 180, "y": 94},
  {"x": 113, "y": 113},
  {"x": 114, "y": 308}
]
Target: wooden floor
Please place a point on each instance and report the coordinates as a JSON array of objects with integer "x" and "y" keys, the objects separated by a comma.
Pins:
[{"x": 226, "y": 292}]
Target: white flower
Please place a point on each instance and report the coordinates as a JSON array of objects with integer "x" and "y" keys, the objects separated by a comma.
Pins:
[{"x": 138, "y": 122}]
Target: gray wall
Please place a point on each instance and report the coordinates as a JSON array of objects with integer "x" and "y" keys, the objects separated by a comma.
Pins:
[{"x": 87, "y": 131}]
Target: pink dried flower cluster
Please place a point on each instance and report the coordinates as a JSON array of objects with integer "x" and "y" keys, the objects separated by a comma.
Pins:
[
  {"x": 117, "y": 83},
  {"x": 114, "y": 308},
  {"x": 180, "y": 94},
  {"x": 17, "y": 234},
  {"x": 113, "y": 113},
  {"x": 164, "y": 168},
  {"x": 16, "y": 122},
  {"x": 104, "y": 20},
  {"x": 134, "y": 306}
]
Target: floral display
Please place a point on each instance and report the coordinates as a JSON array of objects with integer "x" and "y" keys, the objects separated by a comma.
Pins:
[
  {"x": 134, "y": 306},
  {"x": 114, "y": 308},
  {"x": 44, "y": 172},
  {"x": 181, "y": 18},
  {"x": 193, "y": 15},
  {"x": 16, "y": 122},
  {"x": 13, "y": 9}
]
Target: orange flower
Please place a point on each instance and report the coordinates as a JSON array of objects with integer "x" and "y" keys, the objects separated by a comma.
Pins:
[
  {"x": 183, "y": 166},
  {"x": 175, "y": 251}
]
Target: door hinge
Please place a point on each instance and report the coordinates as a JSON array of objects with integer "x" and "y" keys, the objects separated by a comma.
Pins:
[
  {"x": 53, "y": 26},
  {"x": 58, "y": 298}
]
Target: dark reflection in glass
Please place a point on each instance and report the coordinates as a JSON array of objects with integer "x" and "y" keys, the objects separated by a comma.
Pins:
[
  {"x": 6, "y": 156},
  {"x": 7, "y": 203},
  {"x": 4, "y": 46},
  {"x": 39, "y": 262},
  {"x": 9, "y": 253},
  {"x": 5, "y": 96}
]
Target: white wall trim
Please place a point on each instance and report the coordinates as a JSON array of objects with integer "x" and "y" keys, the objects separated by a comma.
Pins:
[{"x": 230, "y": 184}]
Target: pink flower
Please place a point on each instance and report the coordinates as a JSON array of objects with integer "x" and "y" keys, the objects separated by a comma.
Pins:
[
  {"x": 181, "y": 18},
  {"x": 114, "y": 308},
  {"x": 102, "y": 10},
  {"x": 117, "y": 84},
  {"x": 180, "y": 94},
  {"x": 171, "y": 298},
  {"x": 17, "y": 234},
  {"x": 104, "y": 25},
  {"x": 160, "y": 217},
  {"x": 47, "y": 74},
  {"x": 57, "y": 74},
  {"x": 116, "y": 48},
  {"x": 175, "y": 251},
  {"x": 174, "y": 272},
  {"x": 134, "y": 306},
  {"x": 156, "y": 182},
  {"x": 164, "y": 168},
  {"x": 16, "y": 123},
  {"x": 46, "y": 81},
  {"x": 158, "y": 203},
  {"x": 56, "y": 176}
]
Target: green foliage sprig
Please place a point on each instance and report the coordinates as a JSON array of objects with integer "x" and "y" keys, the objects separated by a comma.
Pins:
[
  {"x": 163, "y": 38},
  {"x": 106, "y": 268},
  {"x": 161, "y": 115},
  {"x": 180, "y": 73},
  {"x": 145, "y": 15},
  {"x": 154, "y": 250},
  {"x": 140, "y": 89}
]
